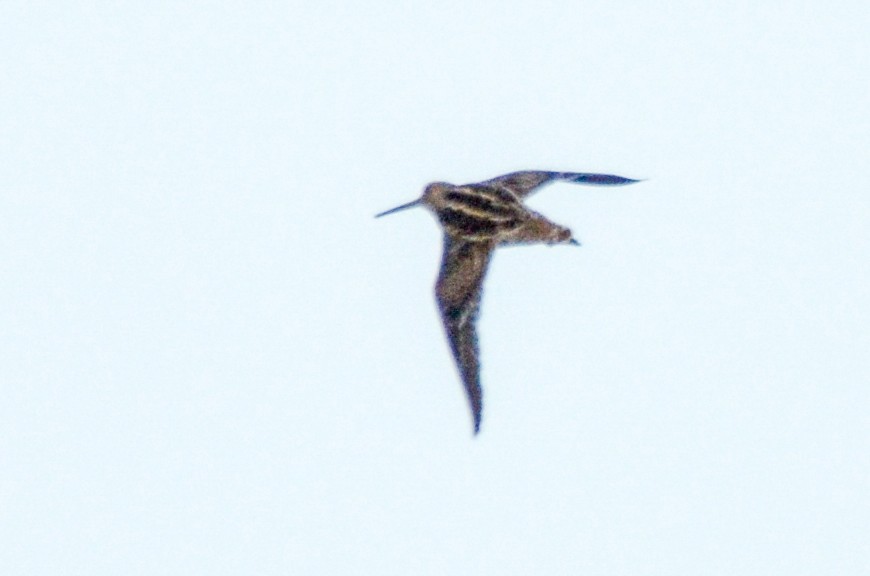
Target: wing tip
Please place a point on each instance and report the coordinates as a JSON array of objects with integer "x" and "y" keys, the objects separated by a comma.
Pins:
[{"x": 601, "y": 179}]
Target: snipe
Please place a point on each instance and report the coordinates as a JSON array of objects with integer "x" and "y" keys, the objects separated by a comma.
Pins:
[{"x": 477, "y": 218}]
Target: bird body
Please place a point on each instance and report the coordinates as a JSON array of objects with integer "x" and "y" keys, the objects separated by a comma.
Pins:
[{"x": 476, "y": 219}]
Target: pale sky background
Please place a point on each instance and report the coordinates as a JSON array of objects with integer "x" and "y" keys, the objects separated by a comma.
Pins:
[{"x": 215, "y": 361}]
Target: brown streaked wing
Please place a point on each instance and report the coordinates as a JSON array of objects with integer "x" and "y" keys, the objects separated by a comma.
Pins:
[
  {"x": 458, "y": 290},
  {"x": 525, "y": 182}
]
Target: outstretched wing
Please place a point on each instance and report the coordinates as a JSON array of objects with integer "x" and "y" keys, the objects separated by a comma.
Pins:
[
  {"x": 524, "y": 183},
  {"x": 458, "y": 289}
]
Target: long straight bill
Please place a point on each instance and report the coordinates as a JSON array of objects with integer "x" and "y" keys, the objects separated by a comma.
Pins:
[{"x": 398, "y": 208}]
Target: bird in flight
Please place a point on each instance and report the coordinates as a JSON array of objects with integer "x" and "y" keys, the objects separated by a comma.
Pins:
[{"x": 476, "y": 219}]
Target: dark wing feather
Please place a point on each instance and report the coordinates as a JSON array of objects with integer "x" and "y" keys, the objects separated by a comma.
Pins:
[
  {"x": 458, "y": 289},
  {"x": 524, "y": 183}
]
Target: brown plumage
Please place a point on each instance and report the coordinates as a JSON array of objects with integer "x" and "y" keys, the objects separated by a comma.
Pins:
[{"x": 476, "y": 219}]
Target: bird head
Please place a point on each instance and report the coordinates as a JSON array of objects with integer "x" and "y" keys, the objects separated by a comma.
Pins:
[{"x": 431, "y": 196}]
